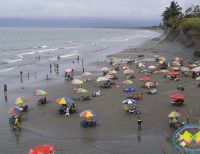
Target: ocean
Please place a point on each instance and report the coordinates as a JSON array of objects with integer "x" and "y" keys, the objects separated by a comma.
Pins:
[{"x": 19, "y": 47}]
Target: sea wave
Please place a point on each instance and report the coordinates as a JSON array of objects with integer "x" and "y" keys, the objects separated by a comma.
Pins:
[
  {"x": 7, "y": 69},
  {"x": 14, "y": 60}
]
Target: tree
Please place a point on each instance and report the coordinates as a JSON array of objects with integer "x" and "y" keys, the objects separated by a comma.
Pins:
[{"x": 171, "y": 13}]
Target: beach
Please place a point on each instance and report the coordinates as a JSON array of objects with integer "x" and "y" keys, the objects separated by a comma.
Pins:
[{"x": 116, "y": 131}]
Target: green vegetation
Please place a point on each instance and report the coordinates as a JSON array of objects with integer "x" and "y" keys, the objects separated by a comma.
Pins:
[
  {"x": 175, "y": 19},
  {"x": 190, "y": 23}
]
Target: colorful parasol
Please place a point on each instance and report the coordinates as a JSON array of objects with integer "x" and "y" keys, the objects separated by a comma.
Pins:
[
  {"x": 187, "y": 137},
  {"x": 63, "y": 101},
  {"x": 86, "y": 74},
  {"x": 81, "y": 90},
  {"x": 22, "y": 100},
  {"x": 77, "y": 81},
  {"x": 68, "y": 70},
  {"x": 42, "y": 149},
  {"x": 172, "y": 73},
  {"x": 196, "y": 69},
  {"x": 128, "y": 82},
  {"x": 177, "y": 96},
  {"x": 174, "y": 114},
  {"x": 184, "y": 69},
  {"x": 128, "y": 71},
  {"x": 88, "y": 114},
  {"x": 15, "y": 110},
  {"x": 175, "y": 68},
  {"x": 128, "y": 90},
  {"x": 99, "y": 79},
  {"x": 129, "y": 101},
  {"x": 152, "y": 67},
  {"x": 198, "y": 78},
  {"x": 105, "y": 69},
  {"x": 39, "y": 93},
  {"x": 145, "y": 78}
]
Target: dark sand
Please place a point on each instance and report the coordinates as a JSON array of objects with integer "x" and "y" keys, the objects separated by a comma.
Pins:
[{"x": 116, "y": 131}]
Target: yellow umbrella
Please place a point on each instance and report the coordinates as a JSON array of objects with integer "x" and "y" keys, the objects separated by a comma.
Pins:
[
  {"x": 22, "y": 100},
  {"x": 186, "y": 136}
]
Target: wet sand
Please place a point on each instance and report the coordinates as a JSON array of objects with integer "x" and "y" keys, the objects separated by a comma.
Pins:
[{"x": 116, "y": 131}]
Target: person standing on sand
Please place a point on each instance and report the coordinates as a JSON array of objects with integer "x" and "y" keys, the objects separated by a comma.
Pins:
[
  {"x": 21, "y": 76},
  {"x": 139, "y": 124},
  {"x": 5, "y": 90},
  {"x": 67, "y": 112},
  {"x": 50, "y": 66}
]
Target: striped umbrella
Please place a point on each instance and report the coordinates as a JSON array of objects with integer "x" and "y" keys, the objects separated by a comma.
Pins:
[
  {"x": 77, "y": 81},
  {"x": 128, "y": 82},
  {"x": 15, "y": 110},
  {"x": 22, "y": 100},
  {"x": 174, "y": 114},
  {"x": 63, "y": 101},
  {"x": 39, "y": 93},
  {"x": 129, "y": 101},
  {"x": 88, "y": 114}
]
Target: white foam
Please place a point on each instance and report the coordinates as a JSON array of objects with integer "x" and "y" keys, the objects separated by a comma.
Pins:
[
  {"x": 26, "y": 53},
  {"x": 7, "y": 69},
  {"x": 14, "y": 61},
  {"x": 47, "y": 50}
]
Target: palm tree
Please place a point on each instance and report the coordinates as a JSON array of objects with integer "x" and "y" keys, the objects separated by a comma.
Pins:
[{"x": 172, "y": 13}]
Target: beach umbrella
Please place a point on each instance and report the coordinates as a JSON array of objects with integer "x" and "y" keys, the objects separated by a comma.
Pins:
[
  {"x": 144, "y": 78},
  {"x": 22, "y": 100},
  {"x": 176, "y": 63},
  {"x": 177, "y": 58},
  {"x": 15, "y": 110},
  {"x": 77, "y": 81},
  {"x": 151, "y": 84},
  {"x": 39, "y": 93},
  {"x": 177, "y": 96},
  {"x": 197, "y": 62},
  {"x": 128, "y": 71},
  {"x": 152, "y": 67},
  {"x": 174, "y": 114},
  {"x": 68, "y": 70},
  {"x": 184, "y": 69},
  {"x": 42, "y": 149},
  {"x": 109, "y": 76},
  {"x": 99, "y": 79},
  {"x": 125, "y": 67},
  {"x": 113, "y": 72},
  {"x": 129, "y": 101},
  {"x": 140, "y": 64},
  {"x": 128, "y": 90},
  {"x": 196, "y": 69},
  {"x": 81, "y": 90},
  {"x": 85, "y": 74},
  {"x": 193, "y": 65},
  {"x": 88, "y": 114},
  {"x": 175, "y": 68},
  {"x": 105, "y": 69},
  {"x": 128, "y": 82},
  {"x": 198, "y": 78},
  {"x": 63, "y": 101},
  {"x": 172, "y": 73}
]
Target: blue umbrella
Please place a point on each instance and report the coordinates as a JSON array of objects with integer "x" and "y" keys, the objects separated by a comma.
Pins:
[
  {"x": 129, "y": 101},
  {"x": 128, "y": 90}
]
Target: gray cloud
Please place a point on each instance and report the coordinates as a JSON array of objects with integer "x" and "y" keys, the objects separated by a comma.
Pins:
[{"x": 136, "y": 9}]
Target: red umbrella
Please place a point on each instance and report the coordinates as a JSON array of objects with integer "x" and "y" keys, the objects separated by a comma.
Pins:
[
  {"x": 42, "y": 149},
  {"x": 177, "y": 96},
  {"x": 172, "y": 73},
  {"x": 145, "y": 78},
  {"x": 68, "y": 70}
]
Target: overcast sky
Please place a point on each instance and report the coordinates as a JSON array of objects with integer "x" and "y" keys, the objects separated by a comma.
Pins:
[{"x": 134, "y": 9}]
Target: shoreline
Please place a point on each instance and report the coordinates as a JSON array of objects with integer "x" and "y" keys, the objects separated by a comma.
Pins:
[{"x": 116, "y": 131}]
